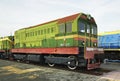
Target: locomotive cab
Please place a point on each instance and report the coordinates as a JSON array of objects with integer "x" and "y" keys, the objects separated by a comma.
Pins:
[{"x": 87, "y": 40}]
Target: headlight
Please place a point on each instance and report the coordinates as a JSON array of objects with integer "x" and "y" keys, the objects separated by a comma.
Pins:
[
  {"x": 83, "y": 43},
  {"x": 95, "y": 44}
]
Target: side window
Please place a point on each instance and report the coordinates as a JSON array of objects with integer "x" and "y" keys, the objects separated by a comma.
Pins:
[
  {"x": 52, "y": 30},
  {"x": 88, "y": 28},
  {"x": 69, "y": 27},
  {"x": 62, "y": 28},
  {"x": 41, "y": 32},
  {"x": 27, "y": 34},
  {"x": 81, "y": 26},
  {"x": 38, "y": 32},
  {"x": 44, "y": 31},
  {"x": 48, "y": 30},
  {"x": 35, "y": 33},
  {"x": 30, "y": 33}
]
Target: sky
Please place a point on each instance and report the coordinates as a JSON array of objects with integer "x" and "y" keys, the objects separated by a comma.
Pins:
[{"x": 17, "y": 14}]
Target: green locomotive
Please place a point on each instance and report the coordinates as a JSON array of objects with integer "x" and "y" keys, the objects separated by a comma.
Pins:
[{"x": 71, "y": 41}]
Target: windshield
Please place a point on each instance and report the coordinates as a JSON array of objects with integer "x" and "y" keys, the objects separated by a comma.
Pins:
[
  {"x": 81, "y": 26},
  {"x": 94, "y": 30},
  {"x": 88, "y": 28}
]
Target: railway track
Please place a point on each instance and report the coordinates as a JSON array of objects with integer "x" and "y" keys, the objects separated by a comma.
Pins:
[
  {"x": 97, "y": 72},
  {"x": 26, "y": 72}
]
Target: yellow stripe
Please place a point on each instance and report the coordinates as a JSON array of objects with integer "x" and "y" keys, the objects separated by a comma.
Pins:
[
  {"x": 112, "y": 49},
  {"x": 108, "y": 33},
  {"x": 73, "y": 36},
  {"x": 68, "y": 36},
  {"x": 93, "y": 39}
]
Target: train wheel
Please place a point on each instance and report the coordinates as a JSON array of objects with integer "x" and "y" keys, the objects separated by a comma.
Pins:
[
  {"x": 18, "y": 60},
  {"x": 75, "y": 62},
  {"x": 51, "y": 64}
]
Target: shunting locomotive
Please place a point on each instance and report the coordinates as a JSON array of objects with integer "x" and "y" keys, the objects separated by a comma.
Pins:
[{"x": 70, "y": 41}]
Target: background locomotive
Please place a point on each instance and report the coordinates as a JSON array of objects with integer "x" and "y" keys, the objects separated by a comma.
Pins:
[
  {"x": 110, "y": 41},
  {"x": 6, "y": 44},
  {"x": 70, "y": 41}
]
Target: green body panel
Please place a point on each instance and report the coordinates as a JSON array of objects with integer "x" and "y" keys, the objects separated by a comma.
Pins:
[
  {"x": 39, "y": 36},
  {"x": 48, "y": 35}
]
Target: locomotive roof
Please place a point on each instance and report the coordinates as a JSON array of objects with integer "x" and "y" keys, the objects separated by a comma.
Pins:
[
  {"x": 60, "y": 20},
  {"x": 109, "y": 33}
]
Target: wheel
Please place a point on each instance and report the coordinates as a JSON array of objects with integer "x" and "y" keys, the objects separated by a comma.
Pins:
[
  {"x": 18, "y": 60},
  {"x": 105, "y": 61},
  {"x": 75, "y": 62},
  {"x": 51, "y": 64}
]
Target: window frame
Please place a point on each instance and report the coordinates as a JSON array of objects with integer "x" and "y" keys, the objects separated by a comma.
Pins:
[
  {"x": 88, "y": 31},
  {"x": 79, "y": 27},
  {"x": 62, "y": 28},
  {"x": 67, "y": 24},
  {"x": 94, "y": 30}
]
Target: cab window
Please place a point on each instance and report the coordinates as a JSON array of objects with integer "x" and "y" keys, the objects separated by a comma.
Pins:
[
  {"x": 88, "y": 28},
  {"x": 94, "y": 30},
  {"x": 81, "y": 26}
]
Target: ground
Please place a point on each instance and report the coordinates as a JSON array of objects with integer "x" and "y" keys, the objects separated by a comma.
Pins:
[
  {"x": 114, "y": 70},
  {"x": 13, "y": 71}
]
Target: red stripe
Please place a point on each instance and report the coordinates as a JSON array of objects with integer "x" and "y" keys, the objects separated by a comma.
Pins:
[
  {"x": 78, "y": 38},
  {"x": 62, "y": 50},
  {"x": 2, "y": 50}
]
